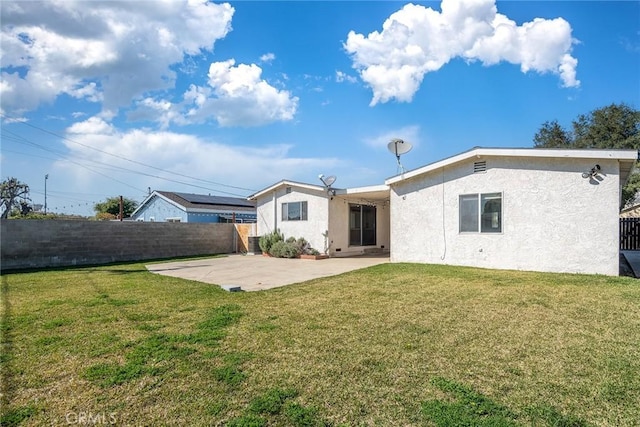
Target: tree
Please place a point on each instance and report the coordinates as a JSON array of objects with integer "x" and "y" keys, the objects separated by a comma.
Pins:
[
  {"x": 112, "y": 206},
  {"x": 10, "y": 191},
  {"x": 614, "y": 126},
  {"x": 552, "y": 135}
]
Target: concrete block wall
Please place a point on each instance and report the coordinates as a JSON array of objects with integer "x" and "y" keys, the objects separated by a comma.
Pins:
[{"x": 60, "y": 243}]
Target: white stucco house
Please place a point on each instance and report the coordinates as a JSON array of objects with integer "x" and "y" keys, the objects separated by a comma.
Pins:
[
  {"x": 549, "y": 210},
  {"x": 339, "y": 222}
]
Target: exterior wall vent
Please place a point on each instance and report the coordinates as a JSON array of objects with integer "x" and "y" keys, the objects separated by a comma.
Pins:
[
  {"x": 480, "y": 167},
  {"x": 287, "y": 190}
]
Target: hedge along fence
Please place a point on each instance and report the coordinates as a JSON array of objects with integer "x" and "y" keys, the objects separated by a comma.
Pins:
[{"x": 61, "y": 243}]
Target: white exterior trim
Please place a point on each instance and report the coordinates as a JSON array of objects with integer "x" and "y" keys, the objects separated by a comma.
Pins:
[
  {"x": 628, "y": 155},
  {"x": 372, "y": 190},
  {"x": 285, "y": 183},
  {"x": 150, "y": 196}
]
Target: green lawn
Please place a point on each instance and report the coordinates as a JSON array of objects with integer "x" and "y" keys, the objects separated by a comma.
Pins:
[{"x": 395, "y": 344}]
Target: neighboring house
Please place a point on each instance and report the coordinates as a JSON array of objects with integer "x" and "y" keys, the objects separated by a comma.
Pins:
[
  {"x": 550, "y": 210},
  {"x": 335, "y": 221},
  {"x": 166, "y": 206}
]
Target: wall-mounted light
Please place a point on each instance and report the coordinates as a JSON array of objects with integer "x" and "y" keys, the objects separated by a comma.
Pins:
[{"x": 592, "y": 173}]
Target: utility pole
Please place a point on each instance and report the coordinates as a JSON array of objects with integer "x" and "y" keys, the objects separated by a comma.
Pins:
[
  {"x": 46, "y": 177},
  {"x": 121, "y": 208}
]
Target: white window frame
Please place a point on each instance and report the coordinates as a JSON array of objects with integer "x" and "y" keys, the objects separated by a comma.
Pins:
[
  {"x": 303, "y": 208},
  {"x": 496, "y": 218}
]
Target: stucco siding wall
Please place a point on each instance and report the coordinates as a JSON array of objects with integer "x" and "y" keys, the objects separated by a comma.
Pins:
[
  {"x": 317, "y": 221},
  {"x": 339, "y": 227},
  {"x": 383, "y": 221},
  {"x": 553, "y": 219},
  {"x": 265, "y": 215},
  {"x": 159, "y": 209}
]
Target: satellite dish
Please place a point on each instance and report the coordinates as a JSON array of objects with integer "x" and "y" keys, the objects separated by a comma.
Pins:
[
  {"x": 399, "y": 147},
  {"x": 328, "y": 181}
]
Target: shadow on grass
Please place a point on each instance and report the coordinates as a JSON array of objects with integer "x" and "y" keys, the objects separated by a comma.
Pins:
[{"x": 470, "y": 408}]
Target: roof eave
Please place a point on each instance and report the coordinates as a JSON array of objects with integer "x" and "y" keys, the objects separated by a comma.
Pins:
[
  {"x": 163, "y": 197},
  {"x": 284, "y": 183},
  {"x": 620, "y": 155}
]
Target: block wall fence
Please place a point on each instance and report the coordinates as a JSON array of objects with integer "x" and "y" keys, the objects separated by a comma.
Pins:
[{"x": 60, "y": 243}]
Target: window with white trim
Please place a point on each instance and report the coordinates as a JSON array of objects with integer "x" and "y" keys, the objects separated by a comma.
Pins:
[
  {"x": 480, "y": 213},
  {"x": 294, "y": 211}
]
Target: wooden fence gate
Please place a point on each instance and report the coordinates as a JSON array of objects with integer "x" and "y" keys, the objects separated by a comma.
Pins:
[{"x": 630, "y": 234}]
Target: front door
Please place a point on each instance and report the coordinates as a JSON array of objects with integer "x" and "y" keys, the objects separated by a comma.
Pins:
[{"x": 362, "y": 225}]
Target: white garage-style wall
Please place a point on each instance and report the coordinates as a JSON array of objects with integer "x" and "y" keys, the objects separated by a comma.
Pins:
[{"x": 552, "y": 218}]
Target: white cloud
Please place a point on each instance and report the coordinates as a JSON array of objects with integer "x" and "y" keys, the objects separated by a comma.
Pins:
[
  {"x": 242, "y": 166},
  {"x": 107, "y": 52},
  {"x": 267, "y": 57},
  {"x": 238, "y": 96},
  {"x": 344, "y": 77},
  {"x": 235, "y": 96},
  {"x": 416, "y": 40},
  {"x": 409, "y": 134}
]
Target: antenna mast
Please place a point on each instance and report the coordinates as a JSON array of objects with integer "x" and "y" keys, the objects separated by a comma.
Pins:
[{"x": 399, "y": 147}]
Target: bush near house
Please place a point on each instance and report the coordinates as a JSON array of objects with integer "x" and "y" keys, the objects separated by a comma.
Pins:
[
  {"x": 268, "y": 240},
  {"x": 275, "y": 245}
]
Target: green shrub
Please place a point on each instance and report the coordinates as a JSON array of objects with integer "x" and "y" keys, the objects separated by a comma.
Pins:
[
  {"x": 276, "y": 246},
  {"x": 289, "y": 250},
  {"x": 268, "y": 240},
  {"x": 276, "y": 249}
]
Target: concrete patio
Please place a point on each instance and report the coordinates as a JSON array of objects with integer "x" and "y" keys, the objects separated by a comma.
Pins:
[{"x": 256, "y": 273}]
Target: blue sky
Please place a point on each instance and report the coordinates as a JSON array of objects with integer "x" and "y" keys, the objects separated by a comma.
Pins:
[{"x": 112, "y": 98}]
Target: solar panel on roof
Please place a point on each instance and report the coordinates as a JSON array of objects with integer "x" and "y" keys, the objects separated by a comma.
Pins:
[{"x": 205, "y": 199}]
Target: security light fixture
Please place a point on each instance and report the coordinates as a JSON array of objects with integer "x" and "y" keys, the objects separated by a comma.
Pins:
[{"x": 593, "y": 172}]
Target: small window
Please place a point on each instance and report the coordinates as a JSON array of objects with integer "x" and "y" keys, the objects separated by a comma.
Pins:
[
  {"x": 481, "y": 213},
  {"x": 177, "y": 219},
  {"x": 296, "y": 211},
  {"x": 491, "y": 205},
  {"x": 469, "y": 213}
]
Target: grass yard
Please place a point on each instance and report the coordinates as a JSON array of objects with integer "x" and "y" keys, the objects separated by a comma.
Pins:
[{"x": 395, "y": 344}]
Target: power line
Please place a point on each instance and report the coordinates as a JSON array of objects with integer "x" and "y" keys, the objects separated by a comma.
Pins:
[
  {"x": 21, "y": 140},
  {"x": 74, "y": 162},
  {"x": 127, "y": 159}
]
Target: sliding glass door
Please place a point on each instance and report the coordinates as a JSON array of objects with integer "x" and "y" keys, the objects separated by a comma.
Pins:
[{"x": 362, "y": 225}]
